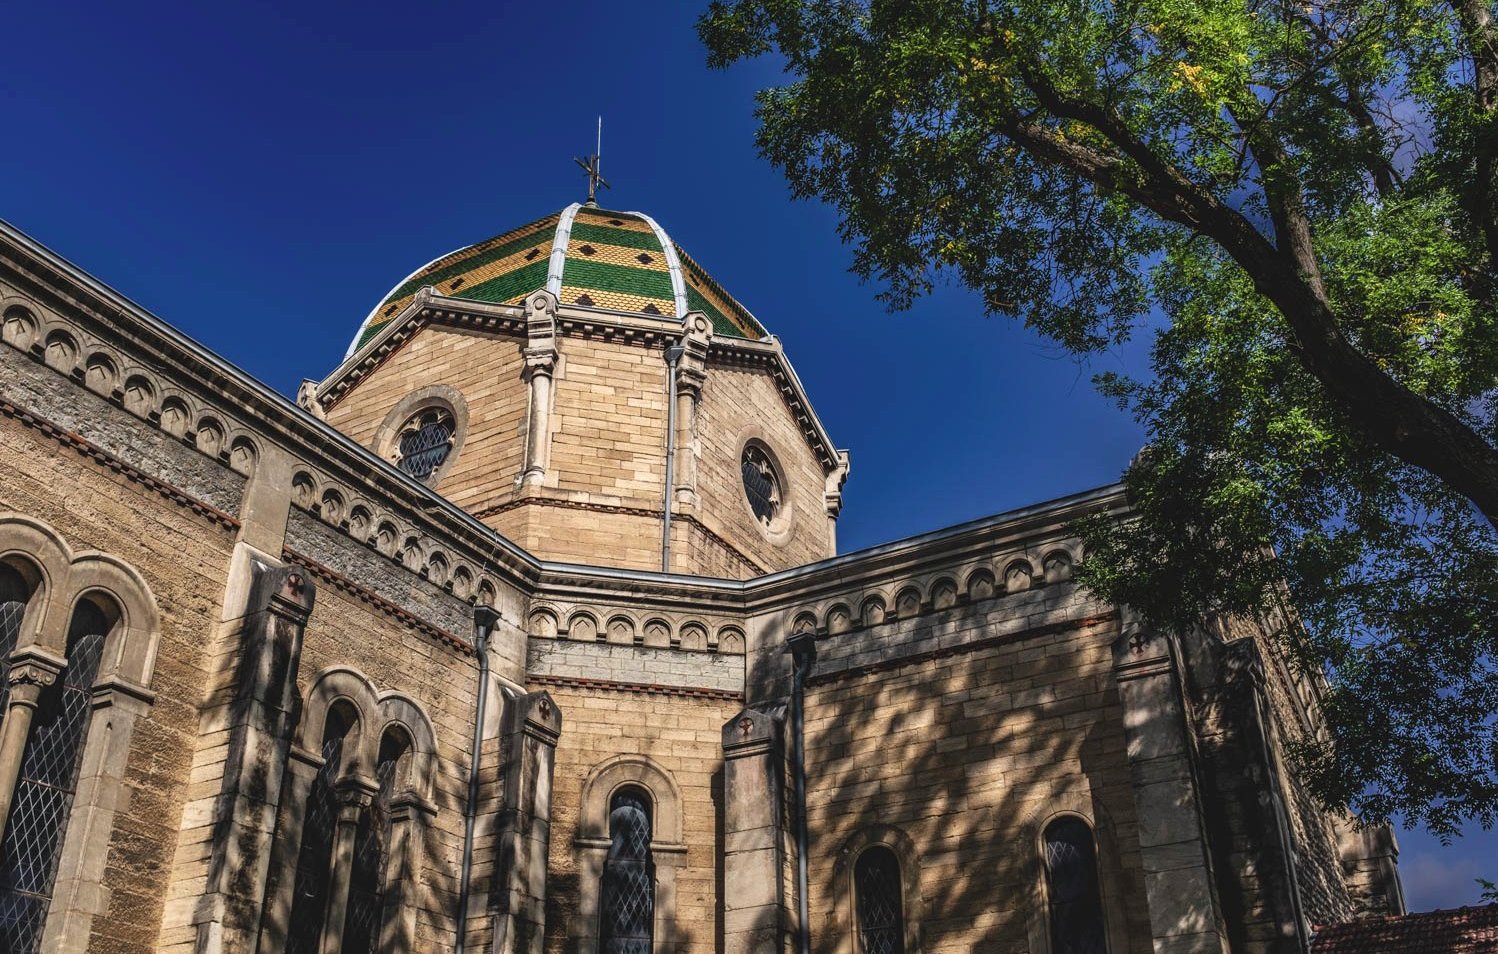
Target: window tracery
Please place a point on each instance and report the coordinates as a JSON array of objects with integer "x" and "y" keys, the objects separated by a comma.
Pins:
[
  {"x": 761, "y": 483},
  {"x": 425, "y": 441}
]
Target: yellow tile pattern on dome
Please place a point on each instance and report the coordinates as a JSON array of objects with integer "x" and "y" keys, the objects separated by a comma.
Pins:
[
  {"x": 615, "y": 260},
  {"x": 706, "y": 295},
  {"x": 479, "y": 272}
]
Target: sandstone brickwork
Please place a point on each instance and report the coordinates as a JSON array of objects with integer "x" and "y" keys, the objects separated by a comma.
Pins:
[{"x": 292, "y": 661}]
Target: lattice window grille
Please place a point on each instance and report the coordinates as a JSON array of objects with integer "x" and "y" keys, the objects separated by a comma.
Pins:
[
  {"x": 425, "y": 441},
  {"x": 761, "y": 484},
  {"x": 45, "y": 788},
  {"x": 627, "y": 902},
  {"x": 881, "y": 916},
  {"x": 371, "y": 859},
  {"x": 319, "y": 825},
  {"x": 1076, "y": 903},
  {"x": 11, "y": 612}
]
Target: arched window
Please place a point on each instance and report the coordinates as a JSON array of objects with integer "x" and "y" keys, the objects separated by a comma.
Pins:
[
  {"x": 361, "y": 931},
  {"x": 46, "y": 785},
  {"x": 319, "y": 825},
  {"x": 1072, "y": 888},
  {"x": 13, "y": 596},
  {"x": 881, "y": 915},
  {"x": 627, "y": 901}
]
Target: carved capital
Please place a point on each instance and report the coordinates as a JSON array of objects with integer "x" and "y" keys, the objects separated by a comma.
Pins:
[
  {"x": 307, "y": 399},
  {"x": 832, "y": 493},
  {"x": 31, "y": 674},
  {"x": 539, "y": 361}
]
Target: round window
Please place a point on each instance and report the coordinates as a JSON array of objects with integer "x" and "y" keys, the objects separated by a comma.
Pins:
[
  {"x": 424, "y": 442},
  {"x": 761, "y": 484}
]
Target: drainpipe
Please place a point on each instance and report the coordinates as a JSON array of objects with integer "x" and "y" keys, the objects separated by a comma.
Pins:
[
  {"x": 484, "y": 618},
  {"x": 673, "y": 355},
  {"x": 803, "y": 647}
]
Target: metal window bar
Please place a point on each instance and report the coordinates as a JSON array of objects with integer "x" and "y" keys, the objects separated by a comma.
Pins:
[
  {"x": 366, "y": 901},
  {"x": 44, "y": 790},
  {"x": 1076, "y": 902},
  {"x": 627, "y": 902},
  {"x": 319, "y": 823},
  {"x": 425, "y": 447},
  {"x": 881, "y": 914},
  {"x": 761, "y": 485}
]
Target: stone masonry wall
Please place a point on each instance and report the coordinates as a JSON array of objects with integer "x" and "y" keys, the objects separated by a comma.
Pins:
[
  {"x": 743, "y": 403},
  {"x": 485, "y": 369},
  {"x": 184, "y": 558},
  {"x": 678, "y": 732},
  {"x": 966, "y": 730}
]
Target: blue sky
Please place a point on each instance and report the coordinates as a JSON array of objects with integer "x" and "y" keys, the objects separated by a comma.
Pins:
[{"x": 260, "y": 176}]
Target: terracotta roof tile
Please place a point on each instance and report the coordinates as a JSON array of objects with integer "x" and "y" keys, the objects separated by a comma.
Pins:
[{"x": 1456, "y": 931}]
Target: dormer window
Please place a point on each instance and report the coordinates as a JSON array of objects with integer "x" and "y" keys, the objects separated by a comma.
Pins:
[{"x": 425, "y": 441}]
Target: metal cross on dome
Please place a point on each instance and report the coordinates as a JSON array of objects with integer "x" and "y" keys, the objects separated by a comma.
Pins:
[{"x": 592, "y": 166}]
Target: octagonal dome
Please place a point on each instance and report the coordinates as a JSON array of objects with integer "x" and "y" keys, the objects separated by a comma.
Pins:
[{"x": 584, "y": 255}]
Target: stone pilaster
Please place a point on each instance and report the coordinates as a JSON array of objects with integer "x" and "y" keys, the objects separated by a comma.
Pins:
[
  {"x": 691, "y": 377},
  {"x": 532, "y": 725},
  {"x": 253, "y": 720},
  {"x": 1184, "y": 912},
  {"x": 540, "y": 364},
  {"x": 757, "y": 918},
  {"x": 832, "y": 496}
]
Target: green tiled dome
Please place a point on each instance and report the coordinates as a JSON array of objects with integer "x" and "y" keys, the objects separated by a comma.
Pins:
[{"x": 622, "y": 261}]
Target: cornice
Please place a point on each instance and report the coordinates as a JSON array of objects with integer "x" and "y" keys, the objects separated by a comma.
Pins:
[
  {"x": 582, "y": 322},
  {"x": 246, "y": 406}
]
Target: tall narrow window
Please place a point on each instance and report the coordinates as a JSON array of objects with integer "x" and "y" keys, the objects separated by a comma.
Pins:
[
  {"x": 319, "y": 824},
  {"x": 627, "y": 904},
  {"x": 45, "y": 787},
  {"x": 1076, "y": 901},
  {"x": 13, "y": 594},
  {"x": 881, "y": 913},
  {"x": 361, "y": 932}
]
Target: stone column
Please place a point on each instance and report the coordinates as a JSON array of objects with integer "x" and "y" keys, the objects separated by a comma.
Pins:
[
  {"x": 532, "y": 725},
  {"x": 756, "y": 915},
  {"x": 691, "y": 376},
  {"x": 254, "y": 716},
  {"x": 832, "y": 496},
  {"x": 354, "y": 797},
  {"x": 1185, "y": 915},
  {"x": 30, "y": 674},
  {"x": 540, "y": 363}
]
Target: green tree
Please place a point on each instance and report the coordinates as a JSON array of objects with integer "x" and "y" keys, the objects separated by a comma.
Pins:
[{"x": 1301, "y": 194}]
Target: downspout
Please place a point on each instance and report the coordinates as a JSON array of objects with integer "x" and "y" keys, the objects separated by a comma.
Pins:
[
  {"x": 484, "y": 618},
  {"x": 803, "y": 649},
  {"x": 673, "y": 355}
]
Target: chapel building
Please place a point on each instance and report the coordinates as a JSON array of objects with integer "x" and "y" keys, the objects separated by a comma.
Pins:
[{"x": 525, "y": 630}]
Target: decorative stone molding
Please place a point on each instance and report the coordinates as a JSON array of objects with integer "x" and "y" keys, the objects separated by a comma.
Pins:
[
  {"x": 61, "y": 578},
  {"x": 592, "y": 843},
  {"x": 374, "y": 714},
  {"x": 886, "y": 836},
  {"x": 659, "y": 630},
  {"x": 540, "y": 355},
  {"x": 387, "y": 435}
]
